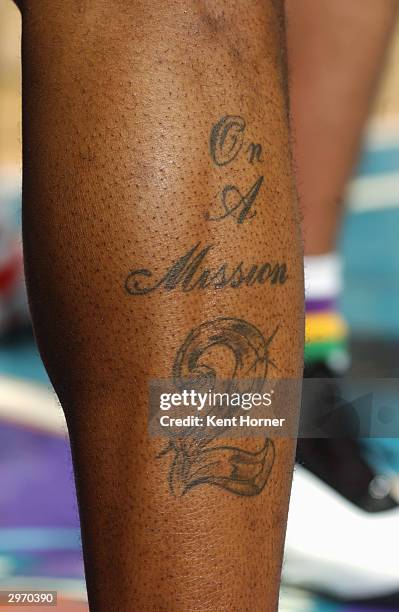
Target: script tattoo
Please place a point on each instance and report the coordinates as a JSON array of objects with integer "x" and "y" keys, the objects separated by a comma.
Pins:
[
  {"x": 225, "y": 143},
  {"x": 194, "y": 461},
  {"x": 255, "y": 152},
  {"x": 226, "y": 139},
  {"x": 233, "y": 200},
  {"x": 190, "y": 272}
]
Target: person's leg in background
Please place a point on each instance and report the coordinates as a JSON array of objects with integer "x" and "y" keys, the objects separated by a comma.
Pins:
[
  {"x": 162, "y": 238},
  {"x": 336, "y": 52}
]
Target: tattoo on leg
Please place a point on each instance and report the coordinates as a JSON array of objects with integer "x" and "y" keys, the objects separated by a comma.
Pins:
[
  {"x": 233, "y": 200},
  {"x": 194, "y": 462},
  {"x": 226, "y": 141},
  {"x": 192, "y": 272},
  {"x": 254, "y": 152}
]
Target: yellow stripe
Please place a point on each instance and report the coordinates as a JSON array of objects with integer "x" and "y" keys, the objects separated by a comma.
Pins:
[{"x": 321, "y": 327}]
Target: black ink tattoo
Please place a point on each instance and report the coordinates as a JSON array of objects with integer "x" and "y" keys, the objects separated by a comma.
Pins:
[
  {"x": 254, "y": 152},
  {"x": 236, "y": 204},
  {"x": 191, "y": 272},
  {"x": 195, "y": 463},
  {"x": 226, "y": 139}
]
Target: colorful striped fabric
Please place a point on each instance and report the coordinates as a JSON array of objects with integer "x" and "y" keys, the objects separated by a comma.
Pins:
[{"x": 326, "y": 332}]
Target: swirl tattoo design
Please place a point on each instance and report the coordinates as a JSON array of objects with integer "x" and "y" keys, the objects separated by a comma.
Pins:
[{"x": 194, "y": 462}]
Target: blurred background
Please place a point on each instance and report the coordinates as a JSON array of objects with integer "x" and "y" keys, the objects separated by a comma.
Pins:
[{"x": 39, "y": 528}]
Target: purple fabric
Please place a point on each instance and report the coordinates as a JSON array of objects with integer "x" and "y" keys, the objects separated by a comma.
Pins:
[
  {"x": 320, "y": 305},
  {"x": 37, "y": 488}
]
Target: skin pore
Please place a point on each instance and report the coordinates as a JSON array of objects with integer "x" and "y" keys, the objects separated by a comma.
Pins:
[{"x": 150, "y": 128}]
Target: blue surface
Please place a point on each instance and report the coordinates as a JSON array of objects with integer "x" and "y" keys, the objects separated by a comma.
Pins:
[
  {"x": 370, "y": 249},
  {"x": 379, "y": 161},
  {"x": 22, "y": 360}
]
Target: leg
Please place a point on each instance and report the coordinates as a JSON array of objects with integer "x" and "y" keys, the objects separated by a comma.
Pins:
[
  {"x": 144, "y": 188},
  {"x": 336, "y": 52}
]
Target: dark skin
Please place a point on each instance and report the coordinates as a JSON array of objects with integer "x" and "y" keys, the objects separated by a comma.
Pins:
[{"x": 125, "y": 170}]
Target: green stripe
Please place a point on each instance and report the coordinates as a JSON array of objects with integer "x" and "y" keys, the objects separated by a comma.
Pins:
[{"x": 320, "y": 351}]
